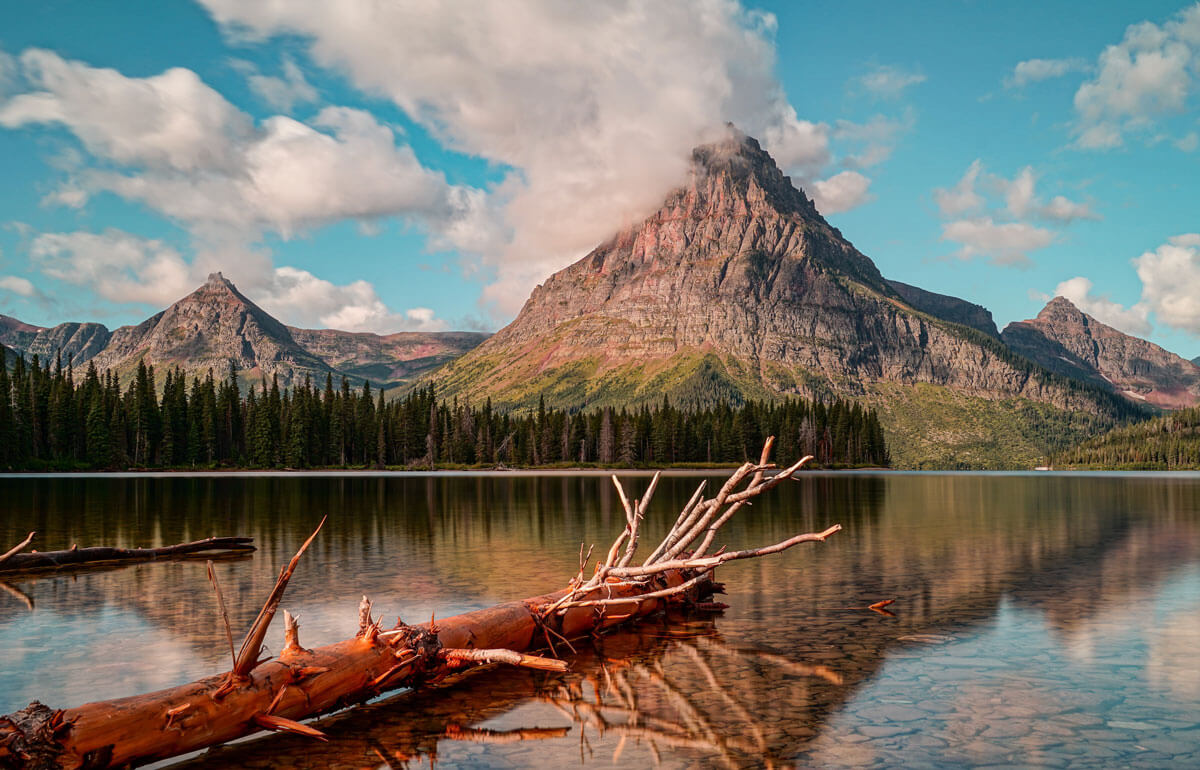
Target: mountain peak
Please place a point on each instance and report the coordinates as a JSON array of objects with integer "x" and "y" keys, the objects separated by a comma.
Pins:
[
  {"x": 740, "y": 163},
  {"x": 218, "y": 281},
  {"x": 1066, "y": 340}
]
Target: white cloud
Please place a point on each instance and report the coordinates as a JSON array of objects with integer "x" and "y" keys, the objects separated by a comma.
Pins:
[
  {"x": 126, "y": 268},
  {"x": 1004, "y": 233},
  {"x": 1131, "y": 320},
  {"x": 1035, "y": 70},
  {"x": 876, "y": 138},
  {"x": 118, "y": 266},
  {"x": 1005, "y": 243},
  {"x": 889, "y": 82},
  {"x": 17, "y": 285},
  {"x": 1145, "y": 76},
  {"x": 168, "y": 121},
  {"x": 593, "y": 107},
  {"x": 1170, "y": 278},
  {"x": 840, "y": 192},
  {"x": 308, "y": 301},
  {"x": 962, "y": 197},
  {"x": 280, "y": 93},
  {"x": 1062, "y": 209},
  {"x": 1019, "y": 194}
]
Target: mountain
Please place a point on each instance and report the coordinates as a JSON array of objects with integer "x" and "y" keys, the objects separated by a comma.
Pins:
[
  {"x": 77, "y": 342},
  {"x": 395, "y": 359},
  {"x": 217, "y": 324},
  {"x": 208, "y": 329},
  {"x": 948, "y": 308},
  {"x": 737, "y": 288},
  {"x": 1066, "y": 340}
]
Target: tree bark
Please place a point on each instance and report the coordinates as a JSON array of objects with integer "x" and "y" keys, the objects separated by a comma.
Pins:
[{"x": 14, "y": 561}]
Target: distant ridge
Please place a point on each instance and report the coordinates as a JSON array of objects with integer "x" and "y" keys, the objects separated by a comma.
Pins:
[
  {"x": 1066, "y": 340},
  {"x": 216, "y": 325}
]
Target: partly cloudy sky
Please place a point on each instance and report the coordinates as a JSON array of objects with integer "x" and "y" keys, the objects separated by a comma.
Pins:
[{"x": 387, "y": 166}]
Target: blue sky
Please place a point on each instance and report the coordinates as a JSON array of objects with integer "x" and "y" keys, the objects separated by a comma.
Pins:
[{"x": 387, "y": 168}]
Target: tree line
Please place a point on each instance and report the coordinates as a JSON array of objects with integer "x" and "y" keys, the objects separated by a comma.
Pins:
[
  {"x": 52, "y": 419},
  {"x": 1168, "y": 442}
]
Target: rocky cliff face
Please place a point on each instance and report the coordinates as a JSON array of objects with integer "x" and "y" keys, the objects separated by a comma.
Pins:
[
  {"x": 77, "y": 342},
  {"x": 392, "y": 359},
  {"x": 738, "y": 288},
  {"x": 208, "y": 329},
  {"x": 1066, "y": 340}
]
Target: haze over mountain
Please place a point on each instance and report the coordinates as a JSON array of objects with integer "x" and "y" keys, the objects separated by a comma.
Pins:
[
  {"x": 1066, "y": 340},
  {"x": 216, "y": 325},
  {"x": 738, "y": 288}
]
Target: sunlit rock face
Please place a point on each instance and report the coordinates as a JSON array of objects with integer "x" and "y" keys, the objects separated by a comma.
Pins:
[{"x": 1066, "y": 340}]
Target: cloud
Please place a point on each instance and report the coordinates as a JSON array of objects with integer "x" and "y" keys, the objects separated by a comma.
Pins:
[
  {"x": 1004, "y": 233},
  {"x": 305, "y": 300},
  {"x": 280, "y": 93},
  {"x": 1144, "y": 77},
  {"x": 889, "y": 82},
  {"x": 118, "y": 266},
  {"x": 1005, "y": 243},
  {"x": 8, "y": 74},
  {"x": 1036, "y": 70},
  {"x": 125, "y": 268},
  {"x": 1131, "y": 320},
  {"x": 962, "y": 197},
  {"x": 592, "y": 109},
  {"x": 876, "y": 138},
  {"x": 1170, "y": 278},
  {"x": 840, "y": 192},
  {"x": 168, "y": 121},
  {"x": 17, "y": 285}
]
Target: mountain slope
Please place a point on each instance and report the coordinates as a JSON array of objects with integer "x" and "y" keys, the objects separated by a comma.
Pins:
[
  {"x": 1066, "y": 340},
  {"x": 737, "y": 288}
]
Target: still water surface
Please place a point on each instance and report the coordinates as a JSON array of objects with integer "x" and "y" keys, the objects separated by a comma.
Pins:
[{"x": 1049, "y": 620}]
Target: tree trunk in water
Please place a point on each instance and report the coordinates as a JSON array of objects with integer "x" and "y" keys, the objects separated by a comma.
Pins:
[
  {"x": 302, "y": 683},
  {"x": 14, "y": 561}
]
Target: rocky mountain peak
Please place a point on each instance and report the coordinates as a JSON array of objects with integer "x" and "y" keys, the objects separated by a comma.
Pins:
[
  {"x": 1066, "y": 340},
  {"x": 738, "y": 164}
]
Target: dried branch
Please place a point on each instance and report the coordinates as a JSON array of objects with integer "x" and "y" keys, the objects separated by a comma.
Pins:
[
  {"x": 699, "y": 521},
  {"x": 247, "y": 657},
  {"x": 16, "y": 549}
]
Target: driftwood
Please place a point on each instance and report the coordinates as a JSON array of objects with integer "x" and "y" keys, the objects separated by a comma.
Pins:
[
  {"x": 15, "y": 561},
  {"x": 301, "y": 683}
]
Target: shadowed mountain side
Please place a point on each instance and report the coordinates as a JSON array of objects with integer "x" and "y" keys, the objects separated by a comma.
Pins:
[
  {"x": 1070, "y": 342},
  {"x": 737, "y": 288},
  {"x": 948, "y": 308}
]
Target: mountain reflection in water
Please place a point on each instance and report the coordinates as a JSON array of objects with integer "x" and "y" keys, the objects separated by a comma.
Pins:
[{"x": 1044, "y": 619}]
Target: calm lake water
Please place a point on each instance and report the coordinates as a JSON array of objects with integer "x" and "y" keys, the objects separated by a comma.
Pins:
[{"x": 1049, "y": 620}]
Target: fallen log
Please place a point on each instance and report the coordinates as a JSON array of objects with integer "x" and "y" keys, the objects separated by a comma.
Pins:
[
  {"x": 15, "y": 561},
  {"x": 301, "y": 683}
]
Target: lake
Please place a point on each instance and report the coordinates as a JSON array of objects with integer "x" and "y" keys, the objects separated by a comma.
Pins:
[{"x": 1040, "y": 619}]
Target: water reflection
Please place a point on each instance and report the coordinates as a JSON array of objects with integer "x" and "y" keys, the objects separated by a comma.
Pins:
[{"x": 1037, "y": 617}]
